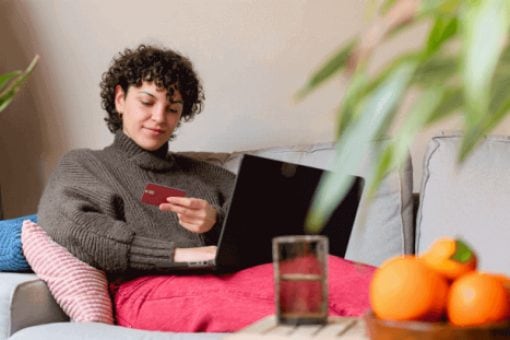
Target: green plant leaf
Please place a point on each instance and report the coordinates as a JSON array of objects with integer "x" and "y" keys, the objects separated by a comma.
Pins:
[
  {"x": 360, "y": 85},
  {"x": 493, "y": 120},
  {"x": 332, "y": 66},
  {"x": 463, "y": 66},
  {"x": 443, "y": 30},
  {"x": 356, "y": 90},
  {"x": 473, "y": 135},
  {"x": 396, "y": 152},
  {"x": 5, "y": 78},
  {"x": 342, "y": 58},
  {"x": 439, "y": 8},
  {"x": 8, "y": 92},
  {"x": 485, "y": 28},
  {"x": 463, "y": 252},
  {"x": 354, "y": 143},
  {"x": 498, "y": 109},
  {"x": 385, "y": 160},
  {"x": 501, "y": 82},
  {"x": 5, "y": 101},
  {"x": 436, "y": 70},
  {"x": 452, "y": 102}
]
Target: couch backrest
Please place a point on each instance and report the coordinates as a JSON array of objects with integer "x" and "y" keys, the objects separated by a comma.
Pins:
[
  {"x": 469, "y": 200},
  {"x": 383, "y": 227}
]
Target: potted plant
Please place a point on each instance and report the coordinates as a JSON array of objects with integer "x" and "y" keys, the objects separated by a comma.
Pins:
[
  {"x": 462, "y": 67},
  {"x": 10, "y": 83}
]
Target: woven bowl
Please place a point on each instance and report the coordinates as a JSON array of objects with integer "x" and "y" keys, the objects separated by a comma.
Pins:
[{"x": 384, "y": 330}]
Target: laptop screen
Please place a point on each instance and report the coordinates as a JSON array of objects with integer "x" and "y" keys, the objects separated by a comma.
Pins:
[{"x": 271, "y": 198}]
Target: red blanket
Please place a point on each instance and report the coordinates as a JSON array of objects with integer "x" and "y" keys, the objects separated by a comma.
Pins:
[{"x": 228, "y": 302}]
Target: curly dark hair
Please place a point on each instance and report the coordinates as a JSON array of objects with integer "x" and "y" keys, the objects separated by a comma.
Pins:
[{"x": 166, "y": 68}]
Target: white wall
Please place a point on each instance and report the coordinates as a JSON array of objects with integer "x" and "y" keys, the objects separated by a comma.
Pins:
[{"x": 253, "y": 56}]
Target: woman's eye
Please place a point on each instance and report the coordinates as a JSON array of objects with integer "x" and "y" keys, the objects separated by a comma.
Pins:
[{"x": 146, "y": 103}]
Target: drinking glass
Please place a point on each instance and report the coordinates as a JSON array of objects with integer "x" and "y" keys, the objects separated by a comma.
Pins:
[{"x": 301, "y": 279}]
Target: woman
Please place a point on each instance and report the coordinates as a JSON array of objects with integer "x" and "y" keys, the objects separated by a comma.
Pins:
[{"x": 91, "y": 204}]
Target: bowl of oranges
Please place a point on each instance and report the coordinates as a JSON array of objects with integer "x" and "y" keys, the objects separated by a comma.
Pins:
[{"x": 439, "y": 294}]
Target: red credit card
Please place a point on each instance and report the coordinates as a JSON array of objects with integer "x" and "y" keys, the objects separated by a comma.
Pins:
[{"x": 156, "y": 194}]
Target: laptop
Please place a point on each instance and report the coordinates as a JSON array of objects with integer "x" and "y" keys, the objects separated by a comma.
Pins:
[{"x": 271, "y": 198}]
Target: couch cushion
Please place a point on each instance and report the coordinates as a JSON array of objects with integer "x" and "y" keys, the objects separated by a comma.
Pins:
[
  {"x": 99, "y": 331},
  {"x": 383, "y": 227},
  {"x": 468, "y": 200},
  {"x": 8, "y": 285},
  {"x": 25, "y": 301},
  {"x": 11, "y": 253},
  {"x": 81, "y": 290}
]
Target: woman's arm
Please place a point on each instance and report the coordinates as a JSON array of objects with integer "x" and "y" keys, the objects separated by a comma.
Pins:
[{"x": 80, "y": 211}]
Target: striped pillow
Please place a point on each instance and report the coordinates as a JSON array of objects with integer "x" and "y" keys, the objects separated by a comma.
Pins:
[{"x": 81, "y": 290}]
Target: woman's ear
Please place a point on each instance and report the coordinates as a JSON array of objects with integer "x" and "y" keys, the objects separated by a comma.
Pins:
[{"x": 120, "y": 99}]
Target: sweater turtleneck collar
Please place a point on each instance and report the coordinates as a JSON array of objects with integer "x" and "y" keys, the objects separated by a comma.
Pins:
[{"x": 158, "y": 160}]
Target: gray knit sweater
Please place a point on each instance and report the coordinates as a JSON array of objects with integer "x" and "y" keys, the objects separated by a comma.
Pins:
[{"x": 91, "y": 205}]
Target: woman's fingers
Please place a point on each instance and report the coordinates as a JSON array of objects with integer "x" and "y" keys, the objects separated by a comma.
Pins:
[
  {"x": 194, "y": 214},
  {"x": 188, "y": 219},
  {"x": 188, "y": 202}
]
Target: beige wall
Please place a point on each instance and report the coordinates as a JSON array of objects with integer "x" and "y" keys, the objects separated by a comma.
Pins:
[{"x": 253, "y": 55}]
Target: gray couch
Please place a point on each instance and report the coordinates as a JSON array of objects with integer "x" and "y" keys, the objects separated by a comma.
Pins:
[{"x": 453, "y": 201}]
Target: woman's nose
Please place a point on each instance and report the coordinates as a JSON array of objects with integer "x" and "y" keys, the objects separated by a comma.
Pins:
[{"x": 158, "y": 113}]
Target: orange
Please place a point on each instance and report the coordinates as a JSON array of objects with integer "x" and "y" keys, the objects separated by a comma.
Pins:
[
  {"x": 405, "y": 288},
  {"x": 505, "y": 280},
  {"x": 450, "y": 257},
  {"x": 478, "y": 299}
]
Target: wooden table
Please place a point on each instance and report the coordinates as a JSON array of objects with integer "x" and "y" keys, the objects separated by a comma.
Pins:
[{"x": 336, "y": 328}]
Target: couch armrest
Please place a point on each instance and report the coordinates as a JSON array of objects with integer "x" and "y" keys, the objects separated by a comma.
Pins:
[{"x": 25, "y": 301}]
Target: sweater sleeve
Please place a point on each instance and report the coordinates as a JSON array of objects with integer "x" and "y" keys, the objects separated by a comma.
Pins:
[{"x": 80, "y": 212}]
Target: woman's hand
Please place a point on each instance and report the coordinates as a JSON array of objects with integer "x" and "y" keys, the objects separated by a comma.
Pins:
[
  {"x": 195, "y": 254},
  {"x": 194, "y": 214}
]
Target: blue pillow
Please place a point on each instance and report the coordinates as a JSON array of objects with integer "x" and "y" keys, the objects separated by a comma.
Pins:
[{"x": 11, "y": 251}]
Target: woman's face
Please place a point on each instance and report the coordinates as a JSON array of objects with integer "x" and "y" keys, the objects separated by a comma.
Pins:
[{"x": 148, "y": 118}]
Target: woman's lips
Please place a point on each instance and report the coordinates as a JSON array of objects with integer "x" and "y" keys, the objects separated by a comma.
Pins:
[{"x": 155, "y": 131}]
